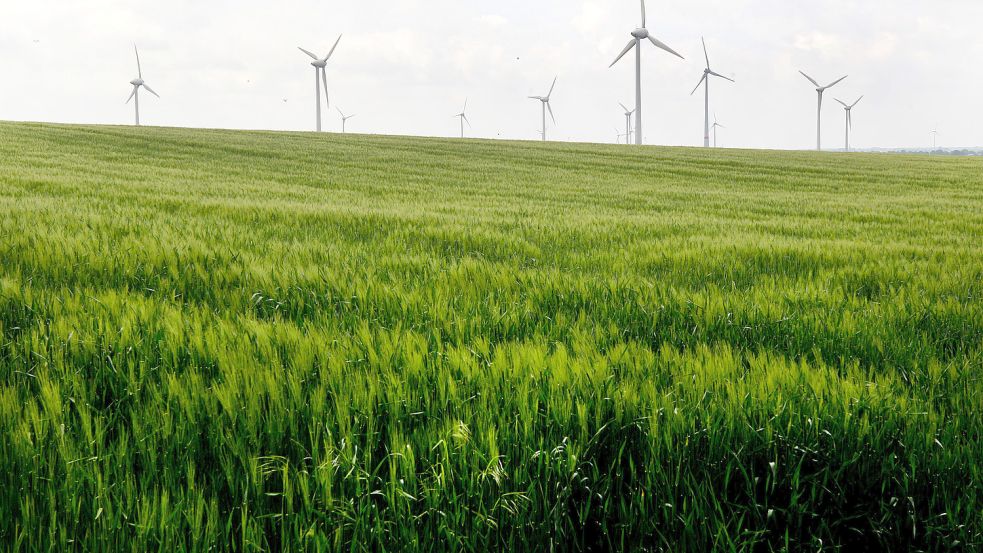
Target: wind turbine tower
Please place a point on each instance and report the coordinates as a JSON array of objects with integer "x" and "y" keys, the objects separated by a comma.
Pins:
[
  {"x": 320, "y": 76},
  {"x": 819, "y": 112},
  {"x": 849, "y": 118},
  {"x": 344, "y": 119},
  {"x": 638, "y": 35},
  {"x": 705, "y": 81},
  {"x": 464, "y": 117},
  {"x": 716, "y": 126},
  {"x": 628, "y": 114},
  {"x": 137, "y": 83},
  {"x": 545, "y": 101}
]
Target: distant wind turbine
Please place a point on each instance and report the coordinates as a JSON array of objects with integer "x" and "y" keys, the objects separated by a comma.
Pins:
[
  {"x": 545, "y": 101},
  {"x": 464, "y": 117},
  {"x": 137, "y": 83},
  {"x": 819, "y": 112},
  {"x": 716, "y": 126},
  {"x": 707, "y": 73},
  {"x": 344, "y": 119},
  {"x": 628, "y": 114},
  {"x": 935, "y": 136},
  {"x": 638, "y": 35},
  {"x": 849, "y": 118},
  {"x": 320, "y": 76}
]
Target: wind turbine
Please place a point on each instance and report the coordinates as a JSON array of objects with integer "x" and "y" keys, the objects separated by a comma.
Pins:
[
  {"x": 628, "y": 114},
  {"x": 137, "y": 83},
  {"x": 849, "y": 118},
  {"x": 464, "y": 117},
  {"x": 545, "y": 100},
  {"x": 638, "y": 35},
  {"x": 344, "y": 119},
  {"x": 707, "y": 73},
  {"x": 819, "y": 112},
  {"x": 320, "y": 75},
  {"x": 935, "y": 136},
  {"x": 715, "y": 127}
]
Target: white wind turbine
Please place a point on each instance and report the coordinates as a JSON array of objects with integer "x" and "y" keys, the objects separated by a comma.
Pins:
[
  {"x": 545, "y": 100},
  {"x": 638, "y": 35},
  {"x": 464, "y": 117},
  {"x": 320, "y": 76},
  {"x": 628, "y": 114},
  {"x": 715, "y": 127},
  {"x": 849, "y": 118},
  {"x": 819, "y": 112},
  {"x": 935, "y": 136},
  {"x": 137, "y": 83},
  {"x": 707, "y": 73},
  {"x": 344, "y": 119}
]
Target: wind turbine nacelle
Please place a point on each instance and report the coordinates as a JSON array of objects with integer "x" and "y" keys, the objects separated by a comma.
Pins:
[
  {"x": 137, "y": 82},
  {"x": 640, "y": 34},
  {"x": 320, "y": 64}
]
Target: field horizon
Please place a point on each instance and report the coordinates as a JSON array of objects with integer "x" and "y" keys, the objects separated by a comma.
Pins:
[
  {"x": 872, "y": 150},
  {"x": 286, "y": 341}
]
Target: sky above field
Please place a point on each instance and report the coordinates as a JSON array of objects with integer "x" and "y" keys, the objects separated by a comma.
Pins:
[{"x": 405, "y": 66}]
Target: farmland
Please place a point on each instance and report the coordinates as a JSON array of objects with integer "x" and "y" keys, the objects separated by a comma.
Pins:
[{"x": 281, "y": 341}]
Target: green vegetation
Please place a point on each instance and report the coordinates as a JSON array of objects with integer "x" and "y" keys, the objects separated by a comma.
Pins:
[{"x": 275, "y": 341}]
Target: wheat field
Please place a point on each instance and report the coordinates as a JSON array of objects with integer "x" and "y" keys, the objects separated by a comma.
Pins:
[{"x": 255, "y": 341}]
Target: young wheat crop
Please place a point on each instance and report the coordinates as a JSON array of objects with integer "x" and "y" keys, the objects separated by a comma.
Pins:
[{"x": 296, "y": 342}]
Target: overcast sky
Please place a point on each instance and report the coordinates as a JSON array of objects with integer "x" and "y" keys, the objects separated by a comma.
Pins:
[{"x": 405, "y": 66}]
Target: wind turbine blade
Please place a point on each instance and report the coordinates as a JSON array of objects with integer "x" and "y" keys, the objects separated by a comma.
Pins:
[
  {"x": 705, "y": 54},
  {"x": 697, "y": 87},
  {"x": 715, "y": 74},
  {"x": 631, "y": 44},
  {"x": 132, "y": 94},
  {"x": 139, "y": 69},
  {"x": 540, "y": 98},
  {"x": 309, "y": 53},
  {"x": 465, "y": 110},
  {"x": 466, "y": 120},
  {"x": 836, "y": 82},
  {"x": 811, "y": 80},
  {"x": 332, "y": 48},
  {"x": 550, "y": 108},
  {"x": 857, "y": 102},
  {"x": 552, "y": 87},
  {"x": 324, "y": 80},
  {"x": 623, "y": 107},
  {"x": 643, "y": 14},
  {"x": 150, "y": 90},
  {"x": 341, "y": 113},
  {"x": 663, "y": 45},
  {"x": 842, "y": 103}
]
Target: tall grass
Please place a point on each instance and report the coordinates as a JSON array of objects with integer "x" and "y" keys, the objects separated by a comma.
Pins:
[{"x": 288, "y": 342}]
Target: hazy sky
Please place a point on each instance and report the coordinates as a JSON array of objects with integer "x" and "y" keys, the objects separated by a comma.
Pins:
[{"x": 405, "y": 66}]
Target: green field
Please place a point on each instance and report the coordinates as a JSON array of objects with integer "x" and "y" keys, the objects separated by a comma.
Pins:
[{"x": 287, "y": 342}]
